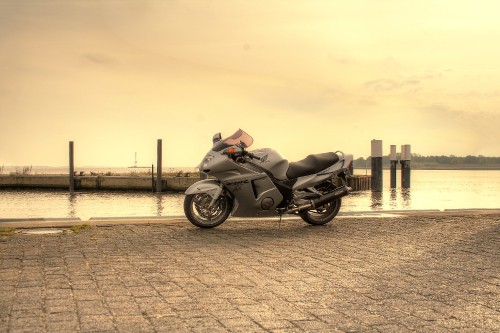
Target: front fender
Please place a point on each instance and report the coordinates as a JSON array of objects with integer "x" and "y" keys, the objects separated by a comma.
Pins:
[{"x": 209, "y": 186}]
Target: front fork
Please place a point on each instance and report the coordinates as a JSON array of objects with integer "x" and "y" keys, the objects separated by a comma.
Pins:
[
  {"x": 216, "y": 196},
  {"x": 220, "y": 191}
]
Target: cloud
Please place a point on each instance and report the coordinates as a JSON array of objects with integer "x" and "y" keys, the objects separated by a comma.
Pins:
[
  {"x": 100, "y": 59},
  {"x": 341, "y": 60},
  {"x": 477, "y": 131},
  {"x": 295, "y": 96},
  {"x": 415, "y": 81},
  {"x": 389, "y": 84}
]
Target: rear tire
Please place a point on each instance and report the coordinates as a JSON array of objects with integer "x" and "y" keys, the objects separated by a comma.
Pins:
[
  {"x": 198, "y": 212},
  {"x": 322, "y": 215}
]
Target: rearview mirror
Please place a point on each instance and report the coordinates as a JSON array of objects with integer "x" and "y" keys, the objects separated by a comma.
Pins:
[{"x": 216, "y": 138}]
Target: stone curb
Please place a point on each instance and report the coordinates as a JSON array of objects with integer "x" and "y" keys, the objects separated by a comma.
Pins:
[{"x": 109, "y": 221}]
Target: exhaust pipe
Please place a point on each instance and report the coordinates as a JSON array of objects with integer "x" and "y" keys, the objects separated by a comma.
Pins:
[{"x": 332, "y": 196}]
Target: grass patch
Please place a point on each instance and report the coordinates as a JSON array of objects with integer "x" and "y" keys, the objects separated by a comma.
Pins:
[
  {"x": 79, "y": 227},
  {"x": 7, "y": 231}
]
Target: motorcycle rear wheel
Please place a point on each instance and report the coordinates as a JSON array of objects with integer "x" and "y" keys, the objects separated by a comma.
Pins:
[
  {"x": 198, "y": 212},
  {"x": 322, "y": 215}
]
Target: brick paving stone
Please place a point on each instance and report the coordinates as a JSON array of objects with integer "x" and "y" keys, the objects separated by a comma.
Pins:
[
  {"x": 97, "y": 323},
  {"x": 133, "y": 324},
  {"x": 168, "y": 324},
  {"x": 241, "y": 325},
  {"x": 24, "y": 324},
  {"x": 401, "y": 274},
  {"x": 63, "y": 326}
]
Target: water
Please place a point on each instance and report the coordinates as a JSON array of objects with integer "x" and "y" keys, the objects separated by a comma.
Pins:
[
  {"x": 434, "y": 189},
  {"x": 431, "y": 189}
]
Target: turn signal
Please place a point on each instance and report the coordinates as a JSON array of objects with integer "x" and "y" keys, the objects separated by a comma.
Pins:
[{"x": 231, "y": 150}]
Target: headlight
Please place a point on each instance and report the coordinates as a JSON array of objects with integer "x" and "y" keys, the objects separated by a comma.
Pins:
[{"x": 205, "y": 162}]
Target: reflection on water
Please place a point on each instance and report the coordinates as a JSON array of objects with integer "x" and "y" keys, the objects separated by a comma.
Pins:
[
  {"x": 393, "y": 195},
  {"x": 430, "y": 190},
  {"x": 377, "y": 201},
  {"x": 398, "y": 199},
  {"x": 406, "y": 196},
  {"x": 159, "y": 204},
  {"x": 72, "y": 205},
  {"x": 59, "y": 203}
]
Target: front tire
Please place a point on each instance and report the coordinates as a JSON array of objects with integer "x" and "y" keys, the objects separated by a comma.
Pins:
[
  {"x": 322, "y": 215},
  {"x": 198, "y": 212}
]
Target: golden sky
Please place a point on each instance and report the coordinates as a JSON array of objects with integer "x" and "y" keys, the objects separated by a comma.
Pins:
[{"x": 299, "y": 76}]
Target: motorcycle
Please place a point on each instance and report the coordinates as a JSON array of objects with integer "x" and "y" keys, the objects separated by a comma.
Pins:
[{"x": 262, "y": 183}]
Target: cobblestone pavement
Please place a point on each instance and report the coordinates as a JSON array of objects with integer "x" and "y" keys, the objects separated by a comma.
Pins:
[{"x": 411, "y": 273}]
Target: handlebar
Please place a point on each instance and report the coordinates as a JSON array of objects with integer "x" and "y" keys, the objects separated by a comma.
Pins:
[
  {"x": 253, "y": 156},
  {"x": 239, "y": 152}
]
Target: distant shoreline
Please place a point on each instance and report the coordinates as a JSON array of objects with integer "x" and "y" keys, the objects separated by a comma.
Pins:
[
  {"x": 460, "y": 168},
  {"x": 443, "y": 168}
]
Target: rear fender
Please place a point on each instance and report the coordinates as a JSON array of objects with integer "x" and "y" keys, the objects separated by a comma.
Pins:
[
  {"x": 341, "y": 166},
  {"x": 335, "y": 170}
]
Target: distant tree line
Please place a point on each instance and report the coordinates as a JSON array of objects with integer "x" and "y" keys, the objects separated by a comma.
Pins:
[
  {"x": 418, "y": 160},
  {"x": 469, "y": 159}
]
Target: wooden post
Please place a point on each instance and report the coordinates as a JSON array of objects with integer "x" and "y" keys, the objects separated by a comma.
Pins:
[
  {"x": 376, "y": 162},
  {"x": 405, "y": 166},
  {"x": 394, "y": 163},
  {"x": 159, "y": 166},
  {"x": 71, "y": 167},
  {"x": 152, "y": 177}
]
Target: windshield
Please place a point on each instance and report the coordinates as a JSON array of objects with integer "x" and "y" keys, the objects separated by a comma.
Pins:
[{"x": 240, "y": 138}]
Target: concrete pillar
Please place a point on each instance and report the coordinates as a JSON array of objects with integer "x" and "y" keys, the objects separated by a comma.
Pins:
[
  {"x": 405, "y": 166},
  {"x": 71, "y": 167},
  {"x": 376, "y": 159},
  {"x": 159, "y": 166},
  {"x": 394, "y": 162}
]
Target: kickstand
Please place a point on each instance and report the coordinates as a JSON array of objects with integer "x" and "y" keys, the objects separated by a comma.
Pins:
[{"x": 279, "y": 222}]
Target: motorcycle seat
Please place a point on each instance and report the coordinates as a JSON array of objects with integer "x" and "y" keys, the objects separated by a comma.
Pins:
[{"x": 312, "y": 164}]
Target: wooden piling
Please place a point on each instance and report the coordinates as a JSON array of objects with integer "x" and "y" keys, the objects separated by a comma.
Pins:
[
  {"x": 376, "y": 164},
  {"x": 394, "y": 163},
  {"x": 405, "y": 166},
  {"x": 71, "y": 167},
  {"x": 152, "y": 177},
  {"x": 359, "y": 183},
  {"x": 159, "y": 166}
]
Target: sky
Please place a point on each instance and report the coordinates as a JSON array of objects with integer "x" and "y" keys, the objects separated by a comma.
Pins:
[{"x": 301, "y": 77}]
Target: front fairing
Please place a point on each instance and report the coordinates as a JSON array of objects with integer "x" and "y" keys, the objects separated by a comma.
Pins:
[
  {"x": 214, "y": 163},
  {"x": 239, "y": 139},
  {"x": 205, "y": 162}
]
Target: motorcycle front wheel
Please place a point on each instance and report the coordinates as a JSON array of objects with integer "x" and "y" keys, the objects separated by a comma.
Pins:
[
  {"x": 322, "y": 215},
  {"x": 198, "y": 211}
]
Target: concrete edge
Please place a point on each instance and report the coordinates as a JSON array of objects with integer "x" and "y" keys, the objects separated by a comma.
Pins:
[
  {"x": 470, "y": 209},
  {"x": 40, "y": 219},
  {"x": 104, "y": 218},
  {"x": 93, "y": 222},
  {"x": 375, "y": 212},
  {"x": 173, "y": 220}
]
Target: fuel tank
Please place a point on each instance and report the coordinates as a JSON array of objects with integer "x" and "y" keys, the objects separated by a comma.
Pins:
[{"x": 272, "y": 161}]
